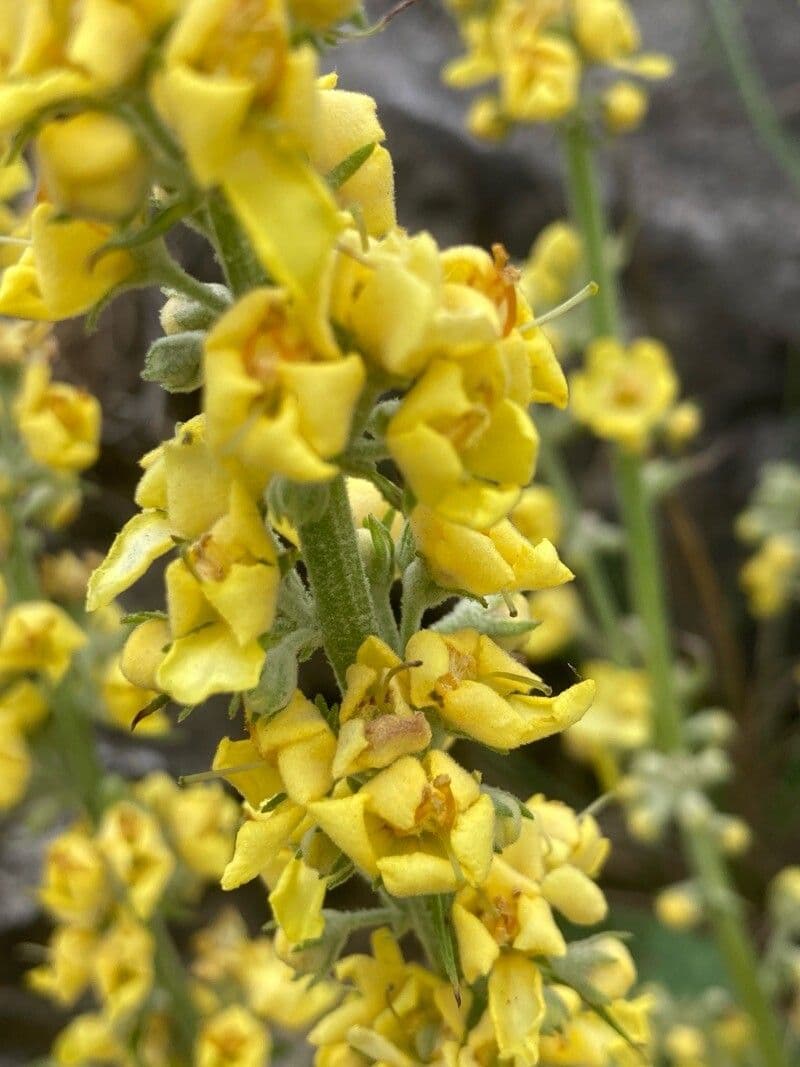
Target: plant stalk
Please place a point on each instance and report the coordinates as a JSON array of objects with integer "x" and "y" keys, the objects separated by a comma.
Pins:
[
  {"x": 337, "y": 578},
  {"x": 649, "y": 596}
]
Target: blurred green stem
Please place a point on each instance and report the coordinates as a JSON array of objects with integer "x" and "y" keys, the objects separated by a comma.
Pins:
[
  {"x": 585, "y": 561},
  {"x": 649, "y": 597},
  {"x": 760, "y": 110}
]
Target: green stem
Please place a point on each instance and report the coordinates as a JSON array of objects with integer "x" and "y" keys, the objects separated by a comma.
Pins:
[
  {"x": 585, "y": 562},
  {"x": 242, "y": 269},
  {"x": 76, "y": 744},
  {"x": 587, "y": 209},
  {"x": 171, "y": 275},
  {"x": 648, "y": 594},
  {"x": 729, "y": 922},
  {"x": 336, "y": 575},
  {"x": 752, "y": 89},
  {"x": 172, "y": 978}
]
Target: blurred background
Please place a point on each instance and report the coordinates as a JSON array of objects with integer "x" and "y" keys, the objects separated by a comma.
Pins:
[{"x": 713, "y": 230}]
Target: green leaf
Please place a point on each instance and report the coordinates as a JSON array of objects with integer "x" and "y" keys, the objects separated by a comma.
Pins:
[
  {"x": 152, "y": 707},
  {"x": 444, "y": 939},
  {"x": 345, "y": 170},
  {"x": 137, "y": 617},
  {"x": 469, "y": 614},
  {"x": 176, "y": 362},
  {"x": 160, "y": 222},
  {"x": 279, "y": 674}
]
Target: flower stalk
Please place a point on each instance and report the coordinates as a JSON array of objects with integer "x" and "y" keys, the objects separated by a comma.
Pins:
[{"x": 649, "y": 597}]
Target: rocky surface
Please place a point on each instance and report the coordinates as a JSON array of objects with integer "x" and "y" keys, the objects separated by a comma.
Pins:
[{"x": 714, "y": 272}]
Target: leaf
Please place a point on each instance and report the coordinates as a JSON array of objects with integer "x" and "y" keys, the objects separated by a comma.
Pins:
[
  {"x": 137, "y": 617},
  {"x": 444, "y": 939},
  {"x": 279, "y": 674},
  {"x": 150, "y": 709},
  {"x": 161, "y": 221},
  {"x": 349, "y": 166},
  {"x": 185, "y": 712},
  {"x": 468, "y": 614}
]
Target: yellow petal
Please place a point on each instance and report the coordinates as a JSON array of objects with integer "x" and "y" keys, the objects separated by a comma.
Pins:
[
  {"x": 209, "y": 661},
  {"x": 516, "y": 1005},
  {"x": 139, "y": 543}
]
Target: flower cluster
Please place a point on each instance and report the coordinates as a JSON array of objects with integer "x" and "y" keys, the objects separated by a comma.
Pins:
[
  {"x": 771, "y": 576},
  {"x": 537, "y": 54},
  {"x": 105, "y": 889}
]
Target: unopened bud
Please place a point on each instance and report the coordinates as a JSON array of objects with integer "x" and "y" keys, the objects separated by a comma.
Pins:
[
  {"x": 679, "y": 907},
  {"x": 176, "y": 362},
  {"x": 181, "y": 314}
]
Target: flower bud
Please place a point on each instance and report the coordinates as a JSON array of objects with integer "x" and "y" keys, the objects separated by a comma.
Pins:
[
  {"x": 176, "y": 362},
  {"x": 679, "y": 907},
  {"x": 624, "y": 106},
  {"x": 181, "y": 314}
]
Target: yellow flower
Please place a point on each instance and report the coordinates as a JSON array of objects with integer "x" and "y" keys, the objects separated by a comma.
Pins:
[
  {"x": 516, "y": 1007},
  {"x": 143, "y": 653},
  {"x": 287, "y": 759},
  {"x": 537, "y": 71},
  {"x": 683, "y": 424},
  {"x": 624, "y": 106},
  {"x": 39, "y": 636},
  {"x": 404, "y": 303},
  {"x": 184, "y": 490},
  {"x": 58, "y": 276},
  {"x": 274, "y": 991},
  {"x": 75, "y": 886},
  {"x": 92, "y": 165},
  {"x": 243, "y": 104},
  {"x": 15, "y": 766},
  {"x": 377, "y": 725},
  {"x": 202, "y": 820},
  {"x": 391, "y": 1011},
  {"x": 225, "y": 61},
  {"x": 618, "y": 721},
  {"x": 68, "y": 969},
  {"x": 59, "y": 424},
  {"x": 558, "y": 615},
  {"x": 54, "y": 52},
  {"x": 537, "y": 514},
  {"x": 123, "y": 701},
  {"x": 88, "y": 1039},
  {"x": 422, "y": 826},
  {"x": 605, "y": 29},
  {"x": 551, "y": 866},
  {"x": 232, "y": 1038},
  {"x": 552, "y": 263},
  {"x": 23, "y": 706},
  {"x": 274, "y": 400},
  {"x": 484, "y": 561},
  {"x": 770, "y": 576},
  {"x": 123, "y": 968},
  {"x": 591, "y": 1041},
  {"x": 348, "y": 121},
  {"x": 481, "y": 691},
  {"x": 464, "y": 445},
  {"x": 64, "y": 575},
  {"x": 132, "y": 844},
  {"x": 679, "y": 907},
  {"x": 624, "y": 395}
]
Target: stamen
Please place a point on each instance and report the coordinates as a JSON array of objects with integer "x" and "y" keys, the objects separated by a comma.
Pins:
[{"x": 588, "y": 291}]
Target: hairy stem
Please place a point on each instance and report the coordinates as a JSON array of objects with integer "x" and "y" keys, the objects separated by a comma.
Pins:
[{"x": 337, "y": 578}]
